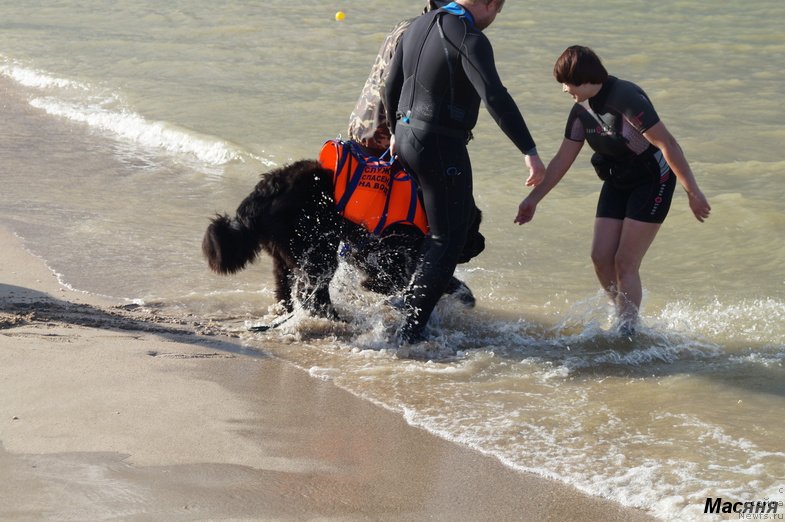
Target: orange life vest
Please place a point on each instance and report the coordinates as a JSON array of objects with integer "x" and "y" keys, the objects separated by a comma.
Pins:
[{"x": 370, "y": 191}]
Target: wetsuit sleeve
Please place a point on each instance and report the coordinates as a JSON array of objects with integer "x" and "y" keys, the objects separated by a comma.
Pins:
[
  {"x": 391, "y": 88},
  {"x": 635, "y": 106},
  {"x": 575, "y": 131},
  {"x": 480, "y": 69}
]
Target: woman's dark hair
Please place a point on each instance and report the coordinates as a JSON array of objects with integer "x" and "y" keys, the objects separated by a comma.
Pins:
[{"x": 578, "y": 65}]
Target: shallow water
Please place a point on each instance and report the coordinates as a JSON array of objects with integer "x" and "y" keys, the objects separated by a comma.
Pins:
[{"x": 126, "y": 126}]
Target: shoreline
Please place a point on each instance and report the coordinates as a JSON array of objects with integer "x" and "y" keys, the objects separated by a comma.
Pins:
[{"x": 112, "y": 411}]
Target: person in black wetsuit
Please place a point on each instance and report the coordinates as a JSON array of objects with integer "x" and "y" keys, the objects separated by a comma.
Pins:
[
  {"x": 368, "y": 121},
  {"x": 638, "y": 159},
  {"x": 441, "y": 71}
]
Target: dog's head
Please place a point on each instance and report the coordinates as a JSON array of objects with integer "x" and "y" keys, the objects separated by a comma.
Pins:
[{"x": 475, "y": 241}]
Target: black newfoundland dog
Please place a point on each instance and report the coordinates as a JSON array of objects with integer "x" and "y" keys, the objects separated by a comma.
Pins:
[{"x": 291, "y": 214}]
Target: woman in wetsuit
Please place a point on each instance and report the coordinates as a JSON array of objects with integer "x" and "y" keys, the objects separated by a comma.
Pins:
[
  {"x": 441, "y": 70},
  {"x": 636, "y": 156}
]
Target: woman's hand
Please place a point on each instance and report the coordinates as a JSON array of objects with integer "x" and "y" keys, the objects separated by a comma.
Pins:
[
  {"x": 525, "y": 211},
  {"x": 699, "y": 205},
  {"x": 661, "y": 138}
]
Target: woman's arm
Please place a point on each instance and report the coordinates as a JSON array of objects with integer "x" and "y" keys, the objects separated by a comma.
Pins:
[
  {"x": 659, "y": 136},
  {"x": 556, "y": 170}
]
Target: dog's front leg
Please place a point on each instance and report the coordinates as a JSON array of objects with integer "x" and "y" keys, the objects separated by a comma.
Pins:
[
  {"x": 321, "y": 262},
  {"x": 313, "y": 293},
  {"x": 323, "y": 306},
  {"x": 283, "y": 282}
]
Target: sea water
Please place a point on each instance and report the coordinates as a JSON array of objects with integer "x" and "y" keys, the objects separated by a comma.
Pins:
[{"x": 128, "y": 124}]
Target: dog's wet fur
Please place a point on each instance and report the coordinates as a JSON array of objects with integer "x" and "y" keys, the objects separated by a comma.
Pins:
[{"x": 291, "y": 215}]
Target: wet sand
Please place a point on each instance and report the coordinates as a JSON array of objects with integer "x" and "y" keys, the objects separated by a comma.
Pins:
[{"x": 116, "y": 412}]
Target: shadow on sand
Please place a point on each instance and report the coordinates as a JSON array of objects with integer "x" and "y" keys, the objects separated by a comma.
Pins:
[{"x": 23, "y": 306}]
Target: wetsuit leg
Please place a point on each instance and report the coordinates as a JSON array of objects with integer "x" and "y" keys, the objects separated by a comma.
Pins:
[
  {"x": 647, "y": 202},
  {"x": 443, "y": 171}
]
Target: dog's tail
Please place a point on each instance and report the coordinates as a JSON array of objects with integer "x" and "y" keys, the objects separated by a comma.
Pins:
[{"x": 229, "y": 245}]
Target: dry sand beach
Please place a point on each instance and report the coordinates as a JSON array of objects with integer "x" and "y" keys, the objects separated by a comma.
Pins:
[{"x": 112, "y": 412}]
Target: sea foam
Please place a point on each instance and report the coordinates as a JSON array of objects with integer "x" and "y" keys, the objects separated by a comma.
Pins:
[
  {"x": 105, "y": 112},
  {"x": 151, "y": 134}
]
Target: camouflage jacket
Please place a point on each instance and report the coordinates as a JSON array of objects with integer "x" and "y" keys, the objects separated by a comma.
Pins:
[{"x": 368, "y": 122}]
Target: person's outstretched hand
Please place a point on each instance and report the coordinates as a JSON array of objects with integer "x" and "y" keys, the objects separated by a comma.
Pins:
[
  {"x": 525, "y": 211},
  {"x": 536, "y": 170}
]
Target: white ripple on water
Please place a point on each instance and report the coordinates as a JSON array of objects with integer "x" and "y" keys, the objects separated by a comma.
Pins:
[{"x": 106, "y": 113}]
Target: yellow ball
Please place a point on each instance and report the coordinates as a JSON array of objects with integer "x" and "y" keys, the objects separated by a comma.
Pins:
[{"x": 340, "y": 15}]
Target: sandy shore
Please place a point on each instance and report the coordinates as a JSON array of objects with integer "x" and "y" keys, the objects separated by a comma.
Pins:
[{"x": 113, "y": 412}]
